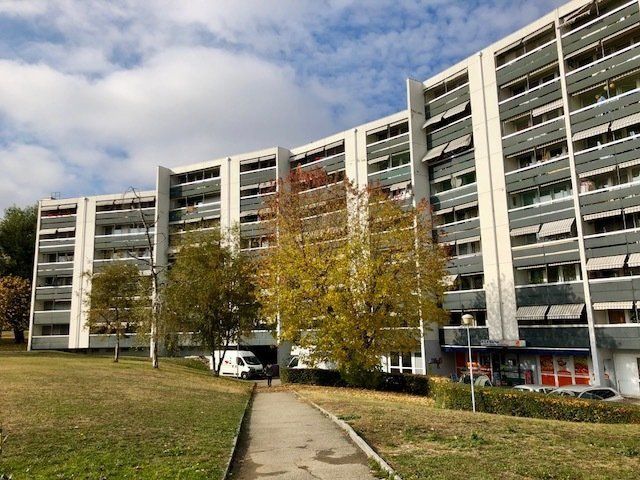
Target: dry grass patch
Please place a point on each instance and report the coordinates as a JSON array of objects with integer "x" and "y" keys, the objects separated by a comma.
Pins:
[
  {"x": 74, "y": 416},
  {"x": 422, "y": 442}
]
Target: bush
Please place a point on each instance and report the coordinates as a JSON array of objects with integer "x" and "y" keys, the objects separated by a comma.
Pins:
[
  {"x": 388, "y": 382},
  {"x": 529, "y": 404},
  {"x": 311, "y": 376}
]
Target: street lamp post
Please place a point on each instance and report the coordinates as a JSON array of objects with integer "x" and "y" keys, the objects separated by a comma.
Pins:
[{"x": 468, "y": 320}]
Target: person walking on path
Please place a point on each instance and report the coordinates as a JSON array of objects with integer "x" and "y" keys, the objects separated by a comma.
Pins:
[{"x": 269, "y": 373}]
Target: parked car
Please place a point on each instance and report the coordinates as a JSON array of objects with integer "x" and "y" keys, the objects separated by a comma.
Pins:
[
  {"x": 592, "y": 392},
  {"x": 480, "y": 380},
  {"x": 535, "y": 388}
]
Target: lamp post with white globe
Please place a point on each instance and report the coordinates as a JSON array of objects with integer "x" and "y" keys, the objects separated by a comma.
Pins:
[{"x": 468, "y": 320}]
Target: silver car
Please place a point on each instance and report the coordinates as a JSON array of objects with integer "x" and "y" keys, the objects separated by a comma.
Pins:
[
  {"x": 591, "y": 392},
  {"x": 535, "y": 388}
]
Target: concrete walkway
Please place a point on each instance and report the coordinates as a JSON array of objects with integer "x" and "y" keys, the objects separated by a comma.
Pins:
[{"x": 289, "y": 439}]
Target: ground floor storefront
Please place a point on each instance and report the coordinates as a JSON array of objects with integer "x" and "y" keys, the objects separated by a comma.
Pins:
[{"x": 508, "y": 368}]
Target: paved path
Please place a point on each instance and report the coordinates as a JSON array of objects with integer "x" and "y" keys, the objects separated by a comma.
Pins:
[{"x": 289, "y": 439}]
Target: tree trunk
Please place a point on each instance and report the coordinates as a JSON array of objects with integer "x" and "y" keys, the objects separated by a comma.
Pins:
[
  {"x": 18, "y": 335},
  {"x": 116, "y": 353},
  {"x": 153, "y": 347}
]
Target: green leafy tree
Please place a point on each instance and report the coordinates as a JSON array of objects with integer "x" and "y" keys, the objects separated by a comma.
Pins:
[
  {"x": 210, "y": 291},
  {"x": 350, "y": 291},
  {"x": 17, "y": 241},
  {"x": 119, "y": 297},
  {"x": 15, "y": 303}
]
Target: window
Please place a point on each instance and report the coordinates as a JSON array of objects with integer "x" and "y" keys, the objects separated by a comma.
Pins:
[
  {"x": 49, "y": 330},
  {"x": 400, "y": 362}
]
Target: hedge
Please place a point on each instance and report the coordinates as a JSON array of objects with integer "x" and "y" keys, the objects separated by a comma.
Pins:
[
  {"x": 530, "y": 404},
  {"x": 388, "y": 382},
  {"x": 457, "y": 396}
]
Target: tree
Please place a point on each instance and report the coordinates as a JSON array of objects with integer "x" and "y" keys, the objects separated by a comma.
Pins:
[
  {"x": 119, "y": 297},
  {"x": 353, "y": 273},
  {"x": 15, "y": 303},
  {"x": 150, "y": 324},
  {"x": 17, "y": 241},
  {"x": 210, "y": 292}
]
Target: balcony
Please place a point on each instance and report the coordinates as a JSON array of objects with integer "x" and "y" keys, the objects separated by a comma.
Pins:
[
  {"x": 123, "y": 217},
  {"x": 52, "y": 342},
  {"x": 66, "y": 221},
  {"x": 602, "y": 27},
  {"x": 464, "y": 300},
  {"x": 202, "y": 211},
  {"x": 457, "y": 336},
  {"x": 550, "y": 294},
  {"x": 51, "y": 317},
  {"x": 612, "y": 153},
  {"x": 200, "y": 187},
  {"x": 450, "y": 132},
  {"x": 109, "y": 341},
  {"x": 531, "y": 99},
  {"x": 535, "y": 137},
  {"x": 527, "y": 63},
  {"x": 54, "y": 293},
  {"x": 448, "y": 100},
  {"x": 538, "y": 174},
  {"x": 556, "y": 336},
  {"x": 558, "y": 251},
  {"x": 609, "y": 199},
  {"x": 55, "y": 268},
  {"x": 617, "y": 289},
  {"x": 618, "y": 337},
  {"x": 102, "y": 242},
  {"x": 603, "y": 69}
]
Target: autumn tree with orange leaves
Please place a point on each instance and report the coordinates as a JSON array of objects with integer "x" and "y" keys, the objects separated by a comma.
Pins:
[{"x": 353, "y": 274}]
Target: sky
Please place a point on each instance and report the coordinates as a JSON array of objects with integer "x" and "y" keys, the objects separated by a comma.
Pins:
[{"x": 95, "y": 94}]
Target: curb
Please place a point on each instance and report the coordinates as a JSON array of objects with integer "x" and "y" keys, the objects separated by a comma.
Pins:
[
  {"x": 234, "y": 446},
  {"x": 357, "y": 439}
]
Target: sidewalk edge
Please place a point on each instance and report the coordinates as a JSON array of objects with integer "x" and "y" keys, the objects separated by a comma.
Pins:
[
  {"x": 241, "y": 426},
  {"x": 357, "y": 439}
]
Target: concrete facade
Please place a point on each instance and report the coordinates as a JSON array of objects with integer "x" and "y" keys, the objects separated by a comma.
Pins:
[{"x": 529, "y": 153}]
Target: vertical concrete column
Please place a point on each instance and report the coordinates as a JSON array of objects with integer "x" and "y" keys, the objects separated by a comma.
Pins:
[
  {"x": 161, "y": 238},
  {"x": 430, "y": 340},
  {"x": 34, "y": 277},
  {"x": 492, "y": 202},
  {"x": 282, "y": 163},
  {"x": 598, "y": 365},
  {"x": 229, "y": 194},
  {"x": 82, "y": 267},
  {"x": 355, "y": 157}
]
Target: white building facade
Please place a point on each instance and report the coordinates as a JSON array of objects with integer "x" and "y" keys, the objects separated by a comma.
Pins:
[{"x": 529, "y": 153}]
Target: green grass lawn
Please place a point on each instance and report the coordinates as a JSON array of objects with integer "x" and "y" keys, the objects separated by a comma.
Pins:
[
  {"x": 422, "y": 442},
  {"x": 85, "y": 417}
]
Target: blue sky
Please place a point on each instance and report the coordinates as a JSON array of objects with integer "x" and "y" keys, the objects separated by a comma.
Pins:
[{"x": 94, "y": 95}]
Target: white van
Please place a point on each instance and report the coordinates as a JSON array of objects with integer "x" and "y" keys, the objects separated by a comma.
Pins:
[
  {"x": 300, "y": 359},
  {"x": 238, "y": 363}
]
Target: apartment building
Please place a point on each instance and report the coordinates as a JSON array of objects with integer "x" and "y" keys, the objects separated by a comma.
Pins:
[{"x": 529, "y": 153}]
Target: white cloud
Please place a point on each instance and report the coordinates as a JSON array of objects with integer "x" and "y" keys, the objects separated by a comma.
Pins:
[{"x": 94, "y": 95}]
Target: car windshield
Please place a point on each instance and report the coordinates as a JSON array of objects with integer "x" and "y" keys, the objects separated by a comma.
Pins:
[{"x": 252, "y": 360}]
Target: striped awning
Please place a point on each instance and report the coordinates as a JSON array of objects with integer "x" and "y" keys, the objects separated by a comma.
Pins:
[
  {"x": 613, "y": 306},
  {"x": 634, "y": 209},
  {"x": 517, "y": 232},
  {"x": 597, "y": 171},
  {"x": 464, "y": 172},
  {"x": 441, "y": 179},
  {"x": 634, "y": 260},
  {"x": 591, "y": 132},
  {"x": 466, "y": 205},
  {"x": 556, "y": 228},
  {"x": 630, "y": 163},
  {"x": 435, "y": 152},
  {"x": 443, "y": 211},
  {"x": 546, "y": 108},
  {"x": 625, "y": 122},
  {"x": 533, "y": 312},
  {"x": 610, "y": 213},
  {"x": 449, "y": 280},
  {"x": 399, "y": 185},
  {"x": 625, "y": 74},
  {"x": 383, "y": 158},
  {"x": 461, "y": 142},
  {"x": 468, "y": 240},
  {"x": 249, "y": 187},
  {"x": 565, "y": 312},
  {"x": 433, "y": 120},
  {"x": 458, "y": 109},
  {"x": 606, "y": 263},
  {"x": 513, "y": 82}
]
